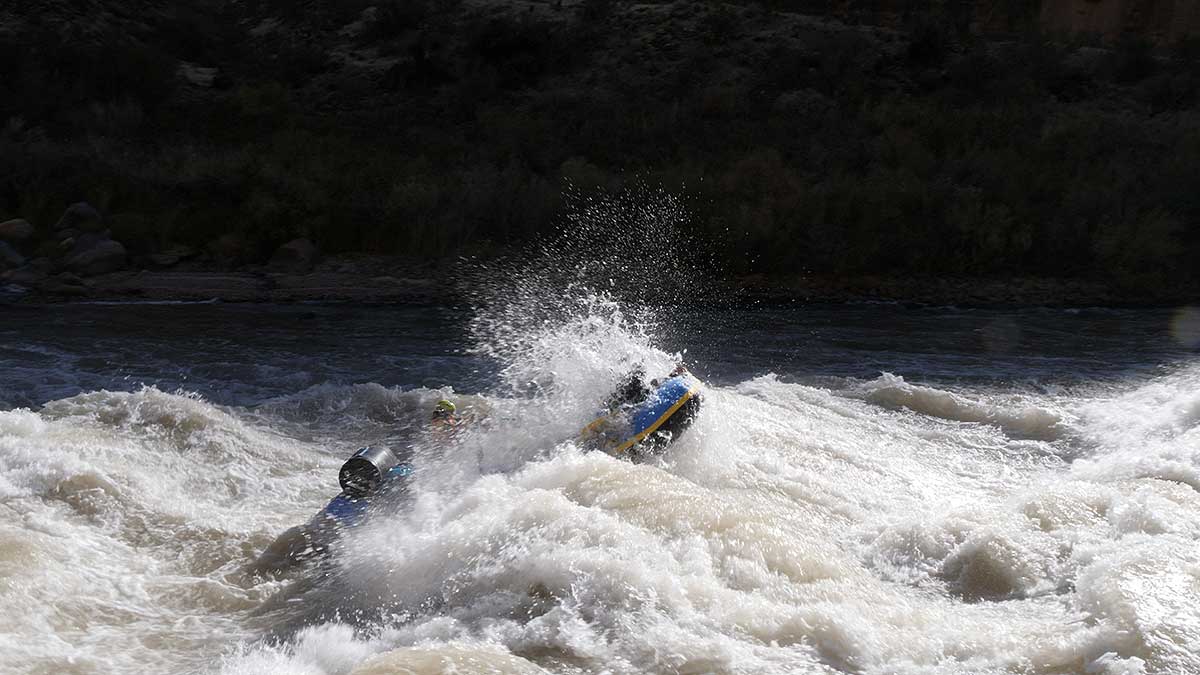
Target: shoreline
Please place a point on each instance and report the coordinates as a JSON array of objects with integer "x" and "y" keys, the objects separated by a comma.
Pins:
[
  {"x": 234, "y": 287},
  {"x": 964, "y": 292},
  {"x": 382, "y": 280}
]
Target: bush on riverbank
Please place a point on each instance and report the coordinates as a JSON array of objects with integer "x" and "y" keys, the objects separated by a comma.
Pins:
[{"x": 432, "y": 129}]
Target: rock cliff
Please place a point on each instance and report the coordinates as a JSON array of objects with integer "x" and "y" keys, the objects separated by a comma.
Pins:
[{"x": 1159, "y": 21}]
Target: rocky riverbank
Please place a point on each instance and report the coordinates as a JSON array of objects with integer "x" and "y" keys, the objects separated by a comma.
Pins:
[
  {"x": 236, "y": 286},
  {"x": 79, "y": 260},
  {"x": 959, "y": 292},
  {"x": 383, "y": 280}
]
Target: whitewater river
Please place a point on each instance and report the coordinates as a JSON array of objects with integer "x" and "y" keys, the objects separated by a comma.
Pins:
[{"x": 867, "y": 489}]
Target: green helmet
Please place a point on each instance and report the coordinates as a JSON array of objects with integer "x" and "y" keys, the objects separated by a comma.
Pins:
[{"x": 443, "y": 408}]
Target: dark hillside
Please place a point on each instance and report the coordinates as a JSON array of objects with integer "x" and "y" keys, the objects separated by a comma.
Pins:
[{"x": 840, "y": 139}]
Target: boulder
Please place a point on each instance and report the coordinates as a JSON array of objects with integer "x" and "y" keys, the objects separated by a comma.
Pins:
[
  {"x": 96, "y": 257},
  {"x": 16, "y": 231},
  {"x": 81, "y": 243},
  {"x": 298, "y": 256},
  {"x": 196, "y": 75},
  {"x": 28, "y": 276},
  {"x": 182, "y": 251},
  {"x": 80, "y": 216},
  {"x": 367, "y": 18},
  {"x": 65, "y": 284},
  {"x": 161, "y": 260},
  {"x": 229, "y": 251},
  {"x": 9, "y": 258},
  {"x": 171, "y": 256},
  {"x": 45, "y": 265},
  {"x": 1087, "y": 60},
  {"x": 47, "y": 249},
  {"x": 89, "y": 240}
]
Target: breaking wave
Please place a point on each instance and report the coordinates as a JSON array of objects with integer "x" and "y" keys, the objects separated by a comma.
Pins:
[
  {"x": 794, "y": 529},
  {"x": 1016, "y": 418}
]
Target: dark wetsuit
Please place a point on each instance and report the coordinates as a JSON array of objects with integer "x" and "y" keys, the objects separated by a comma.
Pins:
[{"x": 631, "y": 391}]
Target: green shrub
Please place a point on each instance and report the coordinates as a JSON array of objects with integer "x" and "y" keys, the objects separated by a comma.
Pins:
[
  {"x": 267, "y": 105},
  {"x": 517, "y": 51},
  {"x": 394, "y": 18},
  {"x": 930, "y": 41},
  {"x": 1169, "y": 91},
  {"x": 115, "y": 68},
  {"x": 1133, "y": 60},
  {"x": 1142, "y": 252},
  {"x": 596, "y": 10},
  {"x": 196, "y": 32},
  {"x": 807, "y": 151}
]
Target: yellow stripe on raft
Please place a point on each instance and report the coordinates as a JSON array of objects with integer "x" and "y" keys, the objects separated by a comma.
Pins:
[
  {"x": 591, "y": 428},
  {"x": 624, "y": 447}
]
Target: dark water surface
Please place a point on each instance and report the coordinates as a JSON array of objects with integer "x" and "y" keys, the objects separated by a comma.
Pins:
[{"x": 245, "y": 354}]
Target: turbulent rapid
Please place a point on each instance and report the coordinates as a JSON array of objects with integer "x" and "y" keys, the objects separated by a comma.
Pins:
[{"x": 867, "y": 489}]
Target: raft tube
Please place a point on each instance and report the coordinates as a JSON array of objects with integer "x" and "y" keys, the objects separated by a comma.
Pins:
[
  {"x": 348, "y": 510},
  {"x": 650, "y": 426}
]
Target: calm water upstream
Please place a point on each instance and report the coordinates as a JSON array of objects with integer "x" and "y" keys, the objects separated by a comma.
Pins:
[{"x": 867, "y": 489}]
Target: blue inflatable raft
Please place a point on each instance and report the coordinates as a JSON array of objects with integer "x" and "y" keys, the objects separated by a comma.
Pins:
[
  {"x": 667, "y": 412},
  {"x": 348, "y": 510},
  {"x": 647, "y": 428}
]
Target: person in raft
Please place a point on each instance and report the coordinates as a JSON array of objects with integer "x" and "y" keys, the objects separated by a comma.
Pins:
[
  {"x": 365, "y": 477},
  {"x": 642, "y": 418},
  {"x": 445, "y": 424}
]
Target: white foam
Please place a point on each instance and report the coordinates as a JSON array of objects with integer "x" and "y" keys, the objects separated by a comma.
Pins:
[
  {"x": 1027, "y": 421},
  {"x": 792, "y": 529}
]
